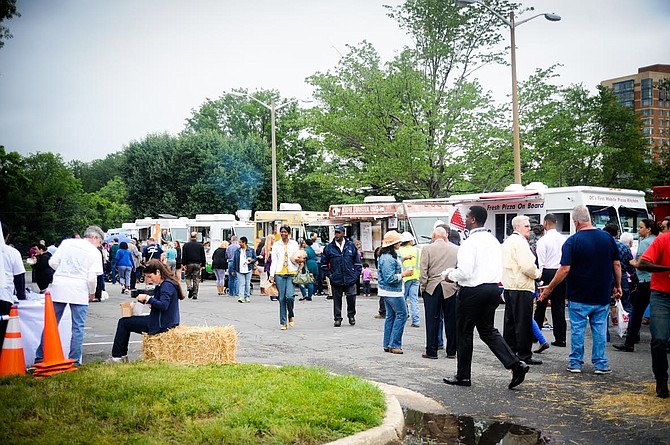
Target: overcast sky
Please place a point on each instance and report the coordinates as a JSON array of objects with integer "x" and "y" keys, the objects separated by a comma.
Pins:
[{"x": 83, "y": 78}]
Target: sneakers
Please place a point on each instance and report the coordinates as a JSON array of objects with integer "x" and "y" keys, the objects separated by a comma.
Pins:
[
  {"x": 602, "y": 371},
  {"x": 378, "y": 315},
  {"x": 575, "y": 370},
  {"x": 240, "y": 300},
  {"x": 283, "y": 327},
  {"x": 291, "y": 322},
  {"x": 247, "y": 300},
  {"x": 115, "y": 360}
]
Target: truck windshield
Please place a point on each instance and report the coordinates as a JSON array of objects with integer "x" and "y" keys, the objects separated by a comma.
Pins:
[
  {"x": 601, "y": 216},
  {"x": 630, "y": 219},
  {"x": 422, "y": 227}
]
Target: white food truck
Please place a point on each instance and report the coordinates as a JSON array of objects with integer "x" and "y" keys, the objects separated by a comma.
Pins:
[{"x": 620, "y": 206}]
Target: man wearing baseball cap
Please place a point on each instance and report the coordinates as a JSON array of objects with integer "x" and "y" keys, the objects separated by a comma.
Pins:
[{"x": 341, "y": 263}]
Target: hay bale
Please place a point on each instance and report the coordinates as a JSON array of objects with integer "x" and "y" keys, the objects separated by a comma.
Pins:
[{"x": 191, "y": 345}]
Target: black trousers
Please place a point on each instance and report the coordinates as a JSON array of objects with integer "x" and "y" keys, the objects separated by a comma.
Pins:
[
  {"x": 5, "y": 307},
  {"x": 435, "y": 306},
  {"x": 477, "y": 309},
  {"x": 640, "y": 303},
  {"x": 137, "y": 324},
  {"x": 350, "y": 291},
  {"x": 557, "y": 298},
  {"x": 518, "y": 327}
]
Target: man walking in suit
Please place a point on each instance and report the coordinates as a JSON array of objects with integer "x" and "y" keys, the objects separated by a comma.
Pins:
[
  {"x": 479, "y": 272},
  {"x": 438, "y": 296}
]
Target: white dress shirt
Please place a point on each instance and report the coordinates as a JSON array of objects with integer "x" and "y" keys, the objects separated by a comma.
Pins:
[
  {"x": 479, "y": 260},
  {"x": 549, "y": 249}
]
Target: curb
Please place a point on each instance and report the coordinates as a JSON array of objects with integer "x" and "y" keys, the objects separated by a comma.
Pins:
[
  {"x": 392, "y": 429},
  {"x": 390, "y": 432}
]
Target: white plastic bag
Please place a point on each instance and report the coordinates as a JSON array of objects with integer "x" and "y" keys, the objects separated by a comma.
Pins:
[{"x": 622, "y": 319}]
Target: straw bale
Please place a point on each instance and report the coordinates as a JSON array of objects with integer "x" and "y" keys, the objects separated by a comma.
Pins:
[{"x": 192, "y": 345}]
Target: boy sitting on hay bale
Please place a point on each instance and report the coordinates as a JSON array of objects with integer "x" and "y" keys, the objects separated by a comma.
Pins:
[{"x": 164, "y": 313}]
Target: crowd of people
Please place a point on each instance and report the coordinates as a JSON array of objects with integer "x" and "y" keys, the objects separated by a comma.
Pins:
[{"x": 459, "y": 282}]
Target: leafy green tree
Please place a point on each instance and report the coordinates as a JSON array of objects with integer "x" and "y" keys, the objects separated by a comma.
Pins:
[
  {"x": 400, "y": 127},
  {"x": 96, "y": 174},
  {"x": 7, "y": 11}
]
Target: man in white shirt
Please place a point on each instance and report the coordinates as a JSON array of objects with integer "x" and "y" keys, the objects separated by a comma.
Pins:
[
  {"x": 77, "y": 265},
  {"x": 12, "y": 278},
  {"x": 478, "y": 273},
  {"x": 549, "y": 249}
]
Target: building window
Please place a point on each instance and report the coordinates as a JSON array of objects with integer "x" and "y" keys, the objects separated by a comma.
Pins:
[
  {"x": 646, "y": 131},
  {"x": 648, "y": 122},
  {"x": 650, "y": 112},
  {"x": 624, "y": 92}
]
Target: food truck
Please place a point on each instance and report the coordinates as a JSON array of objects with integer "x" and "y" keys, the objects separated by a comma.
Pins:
[
  {"x": 620, "y": 206},
  {"x": 368, "y": 222}
]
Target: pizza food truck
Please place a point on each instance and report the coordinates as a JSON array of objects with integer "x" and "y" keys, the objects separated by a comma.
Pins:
[
  {"x": 368, "y": 222},
  {"x": 620, "y": 206}
]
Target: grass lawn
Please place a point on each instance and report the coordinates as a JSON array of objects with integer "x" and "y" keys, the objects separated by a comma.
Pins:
[{"x": 149, "y": 403}]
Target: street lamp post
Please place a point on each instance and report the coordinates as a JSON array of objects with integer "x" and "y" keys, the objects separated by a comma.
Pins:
[
  {"x": 273, "y": 107},
  {"x": 512, "y": 24}
]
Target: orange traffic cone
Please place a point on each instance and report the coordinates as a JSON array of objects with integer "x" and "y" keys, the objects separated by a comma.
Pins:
[
  {"x": 12, "y": 361},
  {"x": 54, "y": 360}
]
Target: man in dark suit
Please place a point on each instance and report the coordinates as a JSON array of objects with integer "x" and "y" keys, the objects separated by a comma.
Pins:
[{"x": 438, "y": 295}]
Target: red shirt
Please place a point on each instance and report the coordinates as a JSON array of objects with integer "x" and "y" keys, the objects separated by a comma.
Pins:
[{"x": 659, "y": 253}]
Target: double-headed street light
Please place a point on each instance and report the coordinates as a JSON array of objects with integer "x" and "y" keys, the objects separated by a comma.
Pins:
[
  {"x": 273, "y": 107},
  {"x": 515, "y": 93}
]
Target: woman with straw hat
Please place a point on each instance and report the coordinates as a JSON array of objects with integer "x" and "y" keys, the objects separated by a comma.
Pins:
[{"x": 390, "y": 282}]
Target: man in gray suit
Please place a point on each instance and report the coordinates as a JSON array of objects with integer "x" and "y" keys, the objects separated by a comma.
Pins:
[{"x": 438, "y": 295}]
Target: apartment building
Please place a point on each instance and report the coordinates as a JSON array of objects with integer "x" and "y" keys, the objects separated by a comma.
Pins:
[{"x": 648, "y": 94}]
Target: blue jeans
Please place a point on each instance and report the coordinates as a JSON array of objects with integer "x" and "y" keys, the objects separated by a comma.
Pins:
[
  {"x": 412, "y": 294},
  {"x": 124, "y": 275},
  {"x": 113, "y": 271},
  {"x": 307, "y": 290},
  {"x": 78, "y": 312},
  {"x": 537, "y": 333},
  {"x": 596, "y": 314},
  {"x": 660, "y": 332},
  {"x": 233, "y": 286},
  {"x": 243, "y": 284},
  {"x": 396, "y": 317},
  {"x": 220, "y": 277},
  {"x": 286, "y": 298},
  {"x": 366, "y": 288}
]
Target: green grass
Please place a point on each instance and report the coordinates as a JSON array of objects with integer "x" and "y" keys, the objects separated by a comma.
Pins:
[{"x": 148, "y": 403}]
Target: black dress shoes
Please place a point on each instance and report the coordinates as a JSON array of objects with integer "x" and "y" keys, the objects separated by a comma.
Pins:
[
  {"x": 338, "y": 323},
  {"x": 662, "y": 388},
  {"x": 456, "y": 381},
  {"x": 352, "y": 321},
  {"x": 433, "y": 357},
  {"x": 533, "y": 361},
  {"x": 543, "y": 347},
  {"x": 518, "y": 374},
  {"x": 560, "y": 344},
  {"x": 624, "y": 347}
]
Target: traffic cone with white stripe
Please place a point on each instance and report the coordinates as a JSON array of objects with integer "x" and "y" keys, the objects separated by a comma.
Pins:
[
  {"x": 54, "y": 359},
  {"x": 12, "y": 361}
]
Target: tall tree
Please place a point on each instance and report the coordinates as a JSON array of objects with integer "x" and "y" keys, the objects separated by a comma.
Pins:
[{"x": 401, "y": 125}]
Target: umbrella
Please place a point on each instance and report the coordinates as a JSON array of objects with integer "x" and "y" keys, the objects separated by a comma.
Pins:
[{"x": 122, "y": 238}]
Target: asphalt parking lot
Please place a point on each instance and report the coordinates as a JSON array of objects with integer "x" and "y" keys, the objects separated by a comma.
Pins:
[{"x": 559, "y": 404}]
